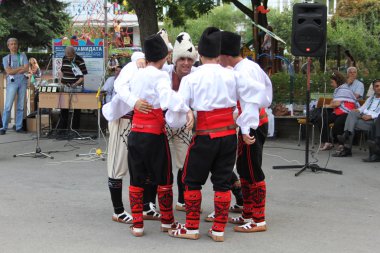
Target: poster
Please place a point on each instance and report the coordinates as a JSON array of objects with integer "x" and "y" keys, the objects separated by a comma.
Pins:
[{"x": 92, "y": 52}]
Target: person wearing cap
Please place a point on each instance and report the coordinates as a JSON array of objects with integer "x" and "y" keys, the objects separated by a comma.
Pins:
[
  {"x": 213, "y": 92},
  {"x": 148, "y": 149},
  {"x": 119, "y": 125},
  {"x": 184, "y": 55},
  {"x": 164, "y": 35},
  {"x": 112, "y": 63},
  {"x": 249, "y": 160}
]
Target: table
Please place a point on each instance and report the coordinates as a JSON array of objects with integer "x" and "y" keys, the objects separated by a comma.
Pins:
[{"x": 62, "y": 100}]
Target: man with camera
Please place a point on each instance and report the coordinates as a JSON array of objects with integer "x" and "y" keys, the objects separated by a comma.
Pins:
[{"x": 16, "y": 65}]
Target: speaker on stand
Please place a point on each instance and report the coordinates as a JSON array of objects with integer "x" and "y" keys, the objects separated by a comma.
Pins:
[{"x": 308, "y": 40}]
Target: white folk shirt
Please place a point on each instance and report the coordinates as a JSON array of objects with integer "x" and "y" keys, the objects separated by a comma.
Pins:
[
  {"x": 121, "y": 105},
  {"x": 214, "y": 87},
  {"x": 153, "y": 85},
  {"x": 257, "y": 91}
]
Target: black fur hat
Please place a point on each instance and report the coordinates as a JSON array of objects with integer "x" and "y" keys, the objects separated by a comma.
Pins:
[
  {"x": 155, "y": 48},
  {"x": 209, "y": 44},
  {"x": 230, "y": 44}
]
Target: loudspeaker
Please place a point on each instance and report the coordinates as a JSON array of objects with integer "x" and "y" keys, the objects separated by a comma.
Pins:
[{"x": 309, "y": 30}]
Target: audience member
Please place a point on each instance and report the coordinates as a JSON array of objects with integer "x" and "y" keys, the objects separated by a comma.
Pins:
[
  {"x": 15, "y": 65},
  {"x": 336, "y": 112},
  {"x": 355, "y": 85},
  {"x": 112, "y": 63},
  {"x": 374, "y": 145},
  {"x": 362, "y": 119},
  {"x": 34, "y": 70},
  {"x": 108, "y": 85}
]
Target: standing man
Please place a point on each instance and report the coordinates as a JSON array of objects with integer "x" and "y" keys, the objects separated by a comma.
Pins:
[
  {"x": 15, "y": 65},
  {"x": 249, "y": 161},
  {"x": 72, "y": 76},
  {"x": 213, "y": 91},
  {"x": 148, "y": 151},
  {"x": 184, "y": 55},
  {"x": 354, "y": 84},
  {"x": 119, "y": 125}
]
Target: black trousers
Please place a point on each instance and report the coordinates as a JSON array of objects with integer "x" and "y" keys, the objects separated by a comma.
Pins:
[
  {"x": 376, "y": 128},
  {"x": 207, "y": 155},
  {"x": 328, "y": 118},
  {"x": 250, "y": 157},
  {"x": 149, "y": 156},
  {"x": 65, "y": 119}
]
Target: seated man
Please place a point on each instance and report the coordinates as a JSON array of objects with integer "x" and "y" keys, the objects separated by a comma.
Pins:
[
  {"x": 362, "y": 118},
  {"x": 374, "y": 145}
]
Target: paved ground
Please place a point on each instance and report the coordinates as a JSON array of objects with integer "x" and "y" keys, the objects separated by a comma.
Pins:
[{"x": 63, "y": 205}]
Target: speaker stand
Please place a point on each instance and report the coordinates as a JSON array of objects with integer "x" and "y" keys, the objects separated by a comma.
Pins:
[{"x": 313, "y": 167}]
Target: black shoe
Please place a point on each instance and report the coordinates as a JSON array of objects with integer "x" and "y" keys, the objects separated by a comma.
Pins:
[
  {"x": 373, "y": 158},
  {"x": 373, "y": 147},
  {"x": 344, "y": 137},
  {"x": 2, "y": 131},
  {"x": 21, "y": 131},
  {"x": 346, "y": 152}
]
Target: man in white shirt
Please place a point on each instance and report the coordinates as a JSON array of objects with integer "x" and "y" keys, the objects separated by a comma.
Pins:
[
  {"x": 184, "y": 55},
  {"x": 362, "y": 118},
  {"x": 249, "y": 161},
  {"x": 119, "y": 125},
  {"x": 213, "y": 91},
  {"x": 148, "y": 149}
]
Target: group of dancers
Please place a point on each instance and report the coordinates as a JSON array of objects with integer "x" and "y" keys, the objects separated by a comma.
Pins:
[{"x": 151, "y": 117}]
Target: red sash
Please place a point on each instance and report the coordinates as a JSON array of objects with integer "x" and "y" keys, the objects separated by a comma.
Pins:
[
  {"x": 152, "y": 122},
  {"x": 216, "y": 123},
  {"x": 263, "y": 117}
]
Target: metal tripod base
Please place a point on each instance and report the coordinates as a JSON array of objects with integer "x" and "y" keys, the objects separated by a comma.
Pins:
[
  {"x": 36, "y": 154},
  {"x": 313, "y": 167}
]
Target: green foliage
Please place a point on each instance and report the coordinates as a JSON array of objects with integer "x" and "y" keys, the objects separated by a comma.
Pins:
[
  {"x": 282, "y": 87},
  {"x": 4, "y": 28},
  {"x": 180, "y": 10},
  {"x": 282, "y": 24},
  {"x": 224, "y": 17},
  {"x": 34, "y": 22}
]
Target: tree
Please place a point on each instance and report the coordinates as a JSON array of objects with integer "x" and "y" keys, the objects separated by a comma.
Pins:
[
  {"x": 34, "y": 22},
  {"x": 4, "y": 28},
  {"x": 254, "y": 15},
  {"x": 150, "y": 11},
  {"x": 356, "y": 27},
  {"x": 225, "y": 17}
]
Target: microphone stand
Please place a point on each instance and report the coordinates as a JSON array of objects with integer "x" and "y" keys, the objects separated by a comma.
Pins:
[
  {"x": 312, "y": 166},
  {"x": 37, "y": 153}
]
